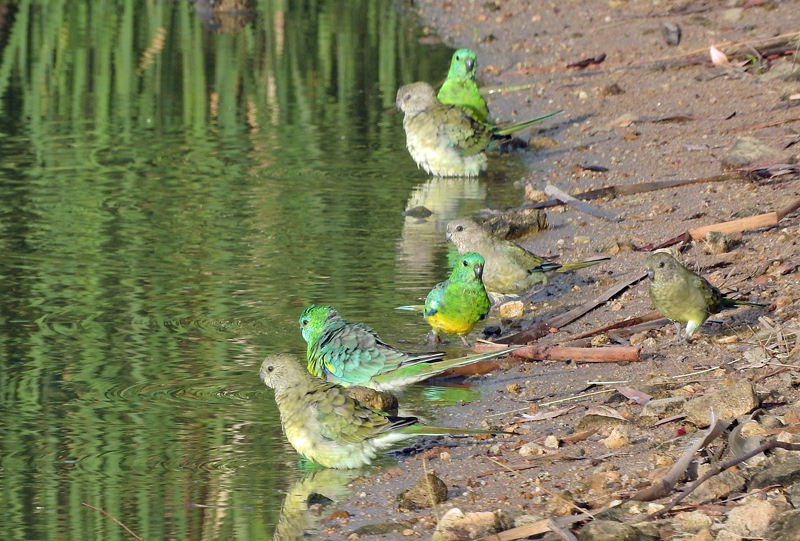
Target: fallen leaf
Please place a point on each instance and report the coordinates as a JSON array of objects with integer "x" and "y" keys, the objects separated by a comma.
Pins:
[
  {"x": 632, "y": 394},
  {"x": 718, "y": 58}
]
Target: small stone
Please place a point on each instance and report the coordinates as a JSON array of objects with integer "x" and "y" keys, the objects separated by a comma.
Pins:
[
  {"x": 514, "y": 388},
  {"x": 581, "y": 239},
  {"x": 377, "y": 400},
  {"x": 719, "y": 486},
  {"x": 533, "y": 195},
  {"x": 702, "y": 535},
  {"x": 692, "y": 522},
  {"x": 516, "y": 224},
  {"x": 531, "y": 449},
  {"x": 729, "y": 402},
  {"x": 785, "y": 527},
  {"x": 613, "y": 90},
  {"x": 732, "y": 15},
  {"x": 747, "y": 150},
  {"x": 650, "y": 343},
  {"x": 751, "y": 519},
  {"x": 637, "y": 338},
  {"x": 607, "y": 530},
  {"x": 783, "y": 301},
  {"x": 752, "y": 428},
  {"x": 618, "y": 438},
  {"x": 720, "y": 243},
  {"x": 551, "y": 442},
  {"x": 658, "y": 409},
  {"x": 786, "y": 473},
  {"x": 601, "y": 340},
  {"x": 512, "y": 310},
  {"x": 560, "y": 504},
  {"x": 444, "y": 455},
  {"x": 430, "y": 489},
  {"x": 727, "y": 535},
  {"x": 353, "y": 537},
  {"x": 417, "y": 212},
  {"x": 408, "y": 532},
  {"x": 671, "y": 32},
  {"x": 455, "y": 525}
]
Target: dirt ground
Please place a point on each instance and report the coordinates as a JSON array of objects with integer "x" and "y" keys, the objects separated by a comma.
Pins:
[{"x": 648, "y": 112}]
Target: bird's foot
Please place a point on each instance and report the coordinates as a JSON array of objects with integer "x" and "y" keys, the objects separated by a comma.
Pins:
[
  {"x": 433, "y": 339},
  {"x": 465, "y": 341}
]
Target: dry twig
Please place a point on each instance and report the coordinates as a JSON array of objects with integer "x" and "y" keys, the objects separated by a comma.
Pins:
[{"x": 112, "y": 518}]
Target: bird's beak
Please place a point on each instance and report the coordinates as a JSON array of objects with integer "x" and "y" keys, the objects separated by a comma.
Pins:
[
  {"x": 651, "y": 273},
  {"x": 479, "y": 271},
  {"x": 447, "y": 236},
  {"x": 469, "y": 63}
]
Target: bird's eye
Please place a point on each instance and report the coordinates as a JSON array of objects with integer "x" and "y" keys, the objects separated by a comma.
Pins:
[
  {"x": 304, "y": 322},
  {"x": 270, "y": 368},
  {"x": 459, "y": 228},
  {"x": 465, "y": 263},
  {"x": 660, "y": 264}
]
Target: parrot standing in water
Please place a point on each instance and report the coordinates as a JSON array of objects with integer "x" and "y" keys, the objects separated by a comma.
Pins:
[
  {"x": 460, "y": 87},
  {"x": 327, "y": 426},
  {"x": 349, "y": 353},
  {"x": 446, "y": 140},
  {"x": 510, "y": 269},
  {"x": 682, "y": 296},
  {"x": 457, "y": 304}
]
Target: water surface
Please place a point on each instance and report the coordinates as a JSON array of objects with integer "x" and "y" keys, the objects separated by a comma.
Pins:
[{"x": 175, "y": 186}]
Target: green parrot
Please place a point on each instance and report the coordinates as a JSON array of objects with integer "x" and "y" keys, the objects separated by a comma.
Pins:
[
  {"x": 460, "y": 87},
  {"x": 352, "y": 354},
  {"x": 446, "y": 140},
  {"x": 682, "y": 296},
  {"x": 509, "y": 269},
  {"x": 327, "y": 426},
  {"x": 457, "y": 304}
]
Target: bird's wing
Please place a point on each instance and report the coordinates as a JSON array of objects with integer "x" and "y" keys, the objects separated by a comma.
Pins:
[
  {"x": 521, "y": 257},
  {"x": 463, "y": 132},
  {"x": 435, "y": 299},
  {"x": 343, "y": 419}
]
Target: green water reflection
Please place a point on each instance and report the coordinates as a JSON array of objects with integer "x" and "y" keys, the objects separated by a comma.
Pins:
[{"x": 170, "y": 199}]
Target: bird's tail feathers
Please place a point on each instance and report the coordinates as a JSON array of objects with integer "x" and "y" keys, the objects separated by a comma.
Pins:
[
  {"x": 566, "y": 267},
  {"x": 422, "y": 430},
  {"x": 423, "y": 368},
  {"x": 733, "y": 303},
  {"x": 511, "y": 128},
  {"x": 412, "y": 307},
  {"x": 547, "y": 266},
  {"x": 439, "y": 367}
]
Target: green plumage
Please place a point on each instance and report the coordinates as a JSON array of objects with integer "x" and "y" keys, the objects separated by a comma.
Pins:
[
  {"x": 329, "y": 427},
  {"x": 457, "y": 304},
  {"x": 682, "y": 296},
  {"x": 352, "y": 354},
  {"x": 460, "y": 87},
  {"x": 509, "y": 268},
  {"x": 446, "y": 140}
]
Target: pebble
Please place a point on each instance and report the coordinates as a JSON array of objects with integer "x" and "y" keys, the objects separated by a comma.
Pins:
[
  {"x": 671, "y": 32},
  {"x": 512, "y": 310},
  {"x": 617, "y": 439},
  {"x": 530, "y": 449}
]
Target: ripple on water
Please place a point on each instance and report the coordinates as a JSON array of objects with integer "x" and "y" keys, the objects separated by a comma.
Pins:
[{"x": 189, "y": 390}]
